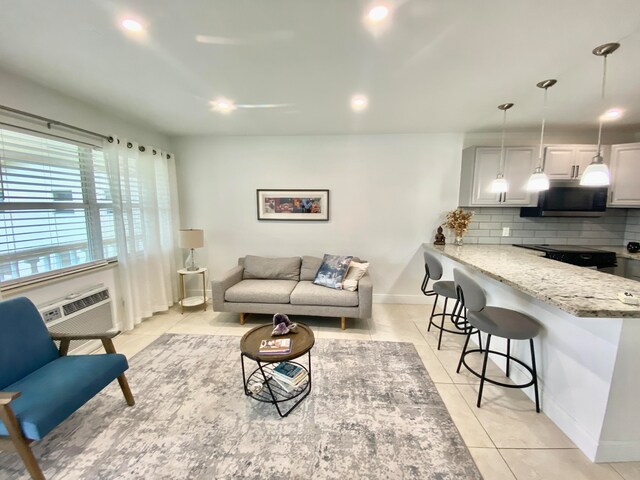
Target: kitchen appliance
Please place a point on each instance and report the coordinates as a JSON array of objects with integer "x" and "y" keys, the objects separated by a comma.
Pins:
[
  {"x": 567, "y": 199},
  {"x": 602, "y": 260},
  {"x": 633, "y": 247}
]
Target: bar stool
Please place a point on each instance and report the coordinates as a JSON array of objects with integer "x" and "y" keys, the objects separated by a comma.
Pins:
[
  {"x": 501, "y": 322},
  {"x": 446, "y": 289}
]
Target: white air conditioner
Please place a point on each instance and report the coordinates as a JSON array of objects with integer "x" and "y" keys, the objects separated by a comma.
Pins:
[{"x": 86, "y": 311}]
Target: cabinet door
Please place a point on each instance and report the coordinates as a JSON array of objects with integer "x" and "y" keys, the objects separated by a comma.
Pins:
[
  {"x": 625, "y": 175},
  {"x": 584, "y": 156},
  {"x": 518, "y": 167},
  {"x": 485, "y": 169},
  {"x": 559, "y": 163}
]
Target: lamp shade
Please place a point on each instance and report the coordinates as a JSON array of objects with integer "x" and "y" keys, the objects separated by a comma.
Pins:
[
  {"x": 191, "y": 238},
  {"x": 596, "y": 175},
  {"x": 499, "y": 185},
  {"x": 538, "y": 181}
]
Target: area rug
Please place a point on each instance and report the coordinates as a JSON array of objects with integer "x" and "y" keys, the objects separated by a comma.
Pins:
[{"x": 373, "y": 413}]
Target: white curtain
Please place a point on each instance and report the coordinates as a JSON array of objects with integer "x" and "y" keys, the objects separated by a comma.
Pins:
[{"x": 144, "y": 193}]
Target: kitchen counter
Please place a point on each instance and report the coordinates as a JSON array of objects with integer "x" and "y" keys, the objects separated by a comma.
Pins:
[
  {"x": 621, "y": 252},
  {"x": 581, "y": 292}
]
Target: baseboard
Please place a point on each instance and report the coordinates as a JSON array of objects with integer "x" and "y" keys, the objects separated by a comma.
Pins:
[
  {"x": 402, "y": 299},
  {"x": 618, "y": 452}
]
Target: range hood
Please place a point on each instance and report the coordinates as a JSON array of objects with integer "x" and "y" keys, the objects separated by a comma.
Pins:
[{"x": 569, "y": 199}]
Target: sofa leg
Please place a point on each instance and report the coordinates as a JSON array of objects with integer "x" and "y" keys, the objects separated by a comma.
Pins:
[
  {"x": 124, "y": 386},
  {"x": 20, "y": 443},
  {"x": 343, "y": 322},
  {"x": 243, "y": 317}
]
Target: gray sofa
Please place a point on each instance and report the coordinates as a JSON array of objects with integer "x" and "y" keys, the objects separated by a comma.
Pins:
[{"x": 285, "y": 285}]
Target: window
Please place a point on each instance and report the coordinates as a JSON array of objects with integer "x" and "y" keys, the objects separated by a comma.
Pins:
[{"x": 55, "y": 206}]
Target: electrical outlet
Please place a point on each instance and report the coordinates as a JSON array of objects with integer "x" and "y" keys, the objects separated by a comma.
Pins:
[{"x": 506, "y": 231}]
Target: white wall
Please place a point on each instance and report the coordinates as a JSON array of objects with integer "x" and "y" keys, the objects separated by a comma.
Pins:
[
  {"x": 388, "y": 193},
  {"x": 23, "y": 94}
]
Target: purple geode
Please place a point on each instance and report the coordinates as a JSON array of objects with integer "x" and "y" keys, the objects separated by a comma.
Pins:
[{"x": 282, "y": 325}]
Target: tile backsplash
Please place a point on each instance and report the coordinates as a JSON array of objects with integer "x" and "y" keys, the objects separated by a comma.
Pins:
[
  {"x": 632, "y": 233},
  {"x": 612, "y": 229}
]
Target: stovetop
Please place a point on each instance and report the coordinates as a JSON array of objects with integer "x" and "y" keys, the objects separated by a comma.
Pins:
[
  {"x": 545, "y": 247},
  {"x": 576, "y": 255}
]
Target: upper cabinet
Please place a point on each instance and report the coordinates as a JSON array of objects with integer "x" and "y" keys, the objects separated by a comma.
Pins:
[
  {"x": 625, "y": 175},
  {"x": 480, "y": 165},
  {"x": 568, "y": 162}
]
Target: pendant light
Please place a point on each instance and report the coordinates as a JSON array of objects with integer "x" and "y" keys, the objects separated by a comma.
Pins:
[
  {"x": 597, "y": 173},
  {"x": 500, "y": 185},
  {"x": 538, "y": 181}
]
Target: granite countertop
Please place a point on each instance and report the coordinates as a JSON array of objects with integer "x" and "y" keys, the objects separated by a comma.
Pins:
[
  {"x": 622, "y": 252},
  {"x": 579, "y": 291}
]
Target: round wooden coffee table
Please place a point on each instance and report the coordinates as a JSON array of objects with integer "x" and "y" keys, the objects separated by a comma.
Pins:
[{"x": 260, "y": 384}]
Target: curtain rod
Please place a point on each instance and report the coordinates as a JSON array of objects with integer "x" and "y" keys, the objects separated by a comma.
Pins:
[{"x": 50, "y": 122}]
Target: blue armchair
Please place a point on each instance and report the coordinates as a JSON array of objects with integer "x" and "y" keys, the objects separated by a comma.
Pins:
[{"x": 40, "y": 386}]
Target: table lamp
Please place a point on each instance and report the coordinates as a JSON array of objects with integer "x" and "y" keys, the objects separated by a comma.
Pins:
[{"x": 191, "y": 238}]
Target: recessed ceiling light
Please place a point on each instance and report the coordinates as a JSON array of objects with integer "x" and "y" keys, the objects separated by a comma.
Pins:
[
  {"x": 378, "y": 13},
  {"x": 132, "y": 25},
  {"x": 359, "y": 102},
  {"x": 612, "y": 114},
  {"x": 223, "y": 105}
]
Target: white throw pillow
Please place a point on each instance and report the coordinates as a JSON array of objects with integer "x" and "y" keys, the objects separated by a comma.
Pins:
[{"x": 354, "y": 274}]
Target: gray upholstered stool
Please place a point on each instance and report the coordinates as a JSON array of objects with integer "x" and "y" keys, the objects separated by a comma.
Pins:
[
  {"x": 501, "y": 322},
  {"x": 446, "y": 289}
]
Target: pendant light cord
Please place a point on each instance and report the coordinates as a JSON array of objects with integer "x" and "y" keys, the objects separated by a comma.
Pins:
[
  {"x": 604, "y": 82},
  {"x": 544, "y": 121},
  {"x": 504, "y": 123}
]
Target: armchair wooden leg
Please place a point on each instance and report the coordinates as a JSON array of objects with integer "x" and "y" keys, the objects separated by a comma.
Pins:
[
  {"x": 343, "y": 323},
  {"x": 122, "y": 380},
  {"x": 243, "y": 317},
  {"x": 124, "y": 385},
  {"x": 20, "y": 443}
]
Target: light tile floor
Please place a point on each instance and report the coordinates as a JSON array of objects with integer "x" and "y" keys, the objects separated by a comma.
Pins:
[{"x": 507, "y": 439}]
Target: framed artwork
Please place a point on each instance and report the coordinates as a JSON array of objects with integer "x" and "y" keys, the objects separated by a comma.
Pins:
[{"x": 305, "y": 205}]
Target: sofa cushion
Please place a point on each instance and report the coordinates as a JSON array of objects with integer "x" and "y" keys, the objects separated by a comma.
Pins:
[
  {"x": 260, "y": 291},
  {"x": 310, "y": 267},
  {"x": 56, "y": 390},
  {"x": 286, "y": 268},
  {"x": 332, "y": 271},
  {"x": 354, "y": 274},
  {"x": 307, "y": 293}
]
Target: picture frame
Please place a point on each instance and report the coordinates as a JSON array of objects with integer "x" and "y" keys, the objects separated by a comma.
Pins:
[{"x": 293, "y": 205}]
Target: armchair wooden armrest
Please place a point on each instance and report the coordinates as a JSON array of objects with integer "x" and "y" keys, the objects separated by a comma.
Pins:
[
  {"x": 66, "y": 338},
  {"x": 8, "y": 397}
]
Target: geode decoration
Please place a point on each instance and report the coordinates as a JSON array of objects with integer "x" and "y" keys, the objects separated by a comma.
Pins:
[{"x": 282, "y": 325}]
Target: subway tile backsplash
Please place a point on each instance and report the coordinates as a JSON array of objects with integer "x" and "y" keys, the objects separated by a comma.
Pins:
[
  {"x": 632, "y": 232},
  {"x": 614, "y": 228}
]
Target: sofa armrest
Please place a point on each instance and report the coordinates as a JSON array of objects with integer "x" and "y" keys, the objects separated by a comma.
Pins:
[
  {"x": 219, "y": 286},
  {"x": 8, "y": 397},
  {"x": 365, "y": 296},
  {"x": 83, "y": 336}
]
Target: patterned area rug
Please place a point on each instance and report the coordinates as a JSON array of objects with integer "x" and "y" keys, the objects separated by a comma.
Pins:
[{"x": 373, "y": 413}]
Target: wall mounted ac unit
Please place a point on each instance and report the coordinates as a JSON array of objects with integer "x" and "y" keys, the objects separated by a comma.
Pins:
[{"x": 87, "y": 311}]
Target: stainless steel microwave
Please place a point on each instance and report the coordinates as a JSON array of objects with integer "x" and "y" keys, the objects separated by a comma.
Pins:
[{"x": 567, "y": 199}]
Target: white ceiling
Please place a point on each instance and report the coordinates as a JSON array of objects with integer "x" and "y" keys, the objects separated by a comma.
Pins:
[{"x": 437, "y": 66}]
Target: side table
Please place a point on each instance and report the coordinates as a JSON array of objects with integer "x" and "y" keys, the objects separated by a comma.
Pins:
[
  {"x": 192, "y": 301},
  {"x": 269, "y": 390}
]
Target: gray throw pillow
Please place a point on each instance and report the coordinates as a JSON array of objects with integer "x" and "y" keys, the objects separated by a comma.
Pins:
[
  {"x": 286, "y": 268},
  {"x": 332, "y": 271}
]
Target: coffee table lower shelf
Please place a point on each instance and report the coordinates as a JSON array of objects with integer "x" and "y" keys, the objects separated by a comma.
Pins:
[{"x": 272, "y": 392}]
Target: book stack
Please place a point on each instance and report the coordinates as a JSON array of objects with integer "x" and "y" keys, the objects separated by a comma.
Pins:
[
  {"x": 275, "y": 346},
  {"x": 289, "y": 375}
]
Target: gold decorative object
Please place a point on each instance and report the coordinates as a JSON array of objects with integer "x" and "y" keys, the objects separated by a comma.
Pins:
[{"x": 458, "y": 220}]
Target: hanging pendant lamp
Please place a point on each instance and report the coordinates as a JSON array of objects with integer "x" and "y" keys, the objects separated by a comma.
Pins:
[
  {"x": 597, "y": 173},
  {"x": 538, "y": 181},
  {"x": 500, "y": 185}
]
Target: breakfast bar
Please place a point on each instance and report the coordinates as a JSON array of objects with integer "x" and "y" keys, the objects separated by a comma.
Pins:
[{"x": 588, "y": 351}]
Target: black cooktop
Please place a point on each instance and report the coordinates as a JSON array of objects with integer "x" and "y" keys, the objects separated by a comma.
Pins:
[{"x": 576, "y": 255}]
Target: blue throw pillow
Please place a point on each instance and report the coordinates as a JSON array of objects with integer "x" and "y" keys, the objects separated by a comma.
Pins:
[{"x": 332, "y": 271}]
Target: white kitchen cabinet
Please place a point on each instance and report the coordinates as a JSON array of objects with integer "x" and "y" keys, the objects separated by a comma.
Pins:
[
  {"x": 568, "y": 162},
  {"x": 625, "y": 175},
  {"x": 480, "y": 165}
]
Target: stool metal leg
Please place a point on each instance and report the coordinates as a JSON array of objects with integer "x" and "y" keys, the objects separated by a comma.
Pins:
[
  {"x": 535, "y": 375},
  {"x": 433, "y": 311},
  {"x": 508, "y": 354},
  {"x": 444, "y": 314},
  {"x": 464, "y": 349},
  {"x": 484, "y": 370},
  {"x": 480, "y": 341}
]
